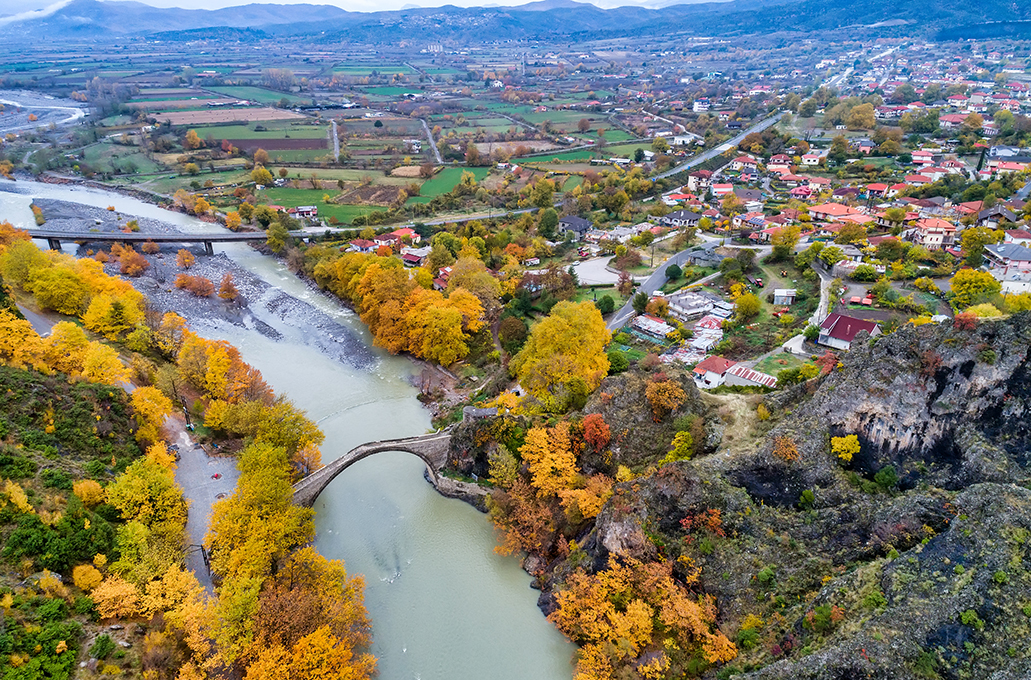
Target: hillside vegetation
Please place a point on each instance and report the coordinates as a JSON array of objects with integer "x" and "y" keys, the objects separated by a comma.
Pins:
[{"x": 876, "y": 525}]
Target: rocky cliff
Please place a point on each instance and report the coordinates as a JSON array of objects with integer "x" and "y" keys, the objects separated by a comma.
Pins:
[{"x": 909, "y": 561}]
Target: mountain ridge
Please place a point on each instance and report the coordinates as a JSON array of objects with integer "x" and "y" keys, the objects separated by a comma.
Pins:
[{"x": 543, "y": 19}]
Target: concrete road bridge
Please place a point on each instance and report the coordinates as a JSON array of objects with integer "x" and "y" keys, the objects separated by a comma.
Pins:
[
  {"x": 432, "y": 448},
  {"x": 54, "y": 238}
]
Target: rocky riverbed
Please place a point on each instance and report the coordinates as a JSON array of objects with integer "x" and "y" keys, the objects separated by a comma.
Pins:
[{"x": 260, "y": 306}]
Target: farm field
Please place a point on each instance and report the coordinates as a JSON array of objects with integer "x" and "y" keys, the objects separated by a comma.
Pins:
[
  {"x": 226, "y": 115},
  {"x": 445, "y": 180},
  {"x": 361, "y": 69},
  {"x": 257, "y": 94},
  {"x": 580, "y": 155},
  {"x": 274, "y": 130},
  {"x": 178, "y": 103},
  {"x": 291, "y": 198}
]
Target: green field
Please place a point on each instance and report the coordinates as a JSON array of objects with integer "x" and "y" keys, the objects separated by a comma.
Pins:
[
  {"x": 445, "y": 180},
  {"x": 300, "y": 156},
  {"x": 581, "y": 155},
  {"x": 108, "y": 157},
  {"x": 291, "y": 198},
  {"x": 774, "y": 364},
  {"x": 257, "y": 94},
  {"x": 368, "y": 69},
  {"x": 273, "y": 130},
  {"x": 389, "y": 90}
]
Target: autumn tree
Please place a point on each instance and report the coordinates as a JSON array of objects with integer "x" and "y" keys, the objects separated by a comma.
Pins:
[
  {"x": 971, "y": 286},
  {"x": 664, "y": 397},
  {"x": 596, "y": 432},
  {"x": 227, "y": 289},
  {"x": 550, "y": 458},
  {"x": 261, "y": 176},
  {"x": 261, "y": 157},
  {"x": 184, "y": 259},
  {"x": 192, "y": 140},
  {"x": 233, "y": 221},
  {"x": 132, "y": 263},
  {"x": 565, "y": 348},
  {"x": 974, "y": 240},
  {"x": 151, "y": 407}
]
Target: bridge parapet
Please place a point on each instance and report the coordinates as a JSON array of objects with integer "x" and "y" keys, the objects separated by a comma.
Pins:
[{"x": 433, "y": 449}]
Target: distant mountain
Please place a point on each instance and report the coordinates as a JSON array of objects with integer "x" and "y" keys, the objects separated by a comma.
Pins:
[{"x": 543, "y": 19}]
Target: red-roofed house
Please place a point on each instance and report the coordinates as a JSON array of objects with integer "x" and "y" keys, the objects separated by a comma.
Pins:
[
  {"x": 744, "y": 163},
  {"x": 1021, "y": 237},
  {"x": 876, "y": 189},
  {"x": 407, "y": 232},
  {"x": 932, "y": 233},
  {"x": 722, "y": 189},
  {"x": 838, "y": 331},
  {"x": 831, "y": 212},
  {"x": 918, "y": 180},
  {"x": 779, "y": 163},
  {"x": 712, "y": 371},
  {"x": 361, "y": 245}
]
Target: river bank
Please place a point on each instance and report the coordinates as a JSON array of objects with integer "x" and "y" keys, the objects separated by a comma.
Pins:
[{"x": 444, "y": 605}]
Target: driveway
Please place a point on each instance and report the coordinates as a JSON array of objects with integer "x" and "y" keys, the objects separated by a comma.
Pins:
[
  {"x": 593, "y": 272},
  {"x": 203, "y": 479}
]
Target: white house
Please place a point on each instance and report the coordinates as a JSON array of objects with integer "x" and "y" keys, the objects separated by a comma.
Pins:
[{"x": 712, "y": 371}]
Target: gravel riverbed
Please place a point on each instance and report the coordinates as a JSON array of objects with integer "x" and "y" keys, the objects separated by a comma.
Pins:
[{"x": 260, "y": 306}]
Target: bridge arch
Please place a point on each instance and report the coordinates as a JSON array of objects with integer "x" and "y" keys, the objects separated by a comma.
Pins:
[{"x": 432, "y": 449}]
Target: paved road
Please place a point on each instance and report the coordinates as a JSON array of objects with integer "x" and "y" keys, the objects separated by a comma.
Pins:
[
  {"x": 336, "y": 141},
  {"x": 823, "y": 309},
  {"x": 716, "y": 151},
  {"x": 433, "y": 144}
]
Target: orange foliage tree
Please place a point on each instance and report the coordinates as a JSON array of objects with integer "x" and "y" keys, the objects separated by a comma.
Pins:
[{"x": 622, "y": 617}]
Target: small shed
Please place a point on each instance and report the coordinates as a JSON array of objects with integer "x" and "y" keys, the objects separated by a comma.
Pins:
[{"x": 784, "y": 296}]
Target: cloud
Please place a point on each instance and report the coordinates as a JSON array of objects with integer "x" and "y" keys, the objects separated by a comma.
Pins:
[{"x": 33, "y": 14}]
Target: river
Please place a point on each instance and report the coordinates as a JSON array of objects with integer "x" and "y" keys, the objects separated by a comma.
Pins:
[{"x": 443, "y": 605}]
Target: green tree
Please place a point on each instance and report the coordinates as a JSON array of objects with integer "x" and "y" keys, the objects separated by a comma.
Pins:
[
  {"x": 974, "y": 239},
  {"x": 640, "y": 302},
  {"x": 547, "y": 223}
]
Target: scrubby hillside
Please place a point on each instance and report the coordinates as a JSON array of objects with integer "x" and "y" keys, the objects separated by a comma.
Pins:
[{"x": 906, "y": 558}]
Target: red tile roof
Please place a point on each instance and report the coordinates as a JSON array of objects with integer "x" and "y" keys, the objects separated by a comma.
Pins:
[
  {"x": 845, "y": 328},
  {"x": 745, "y": 373},
  {"x": 715, "y": 364}
]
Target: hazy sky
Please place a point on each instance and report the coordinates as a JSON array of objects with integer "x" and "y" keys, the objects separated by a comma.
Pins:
[{"x": 9, "y": 7}]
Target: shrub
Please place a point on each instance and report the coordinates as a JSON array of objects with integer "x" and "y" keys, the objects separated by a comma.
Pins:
[
  {"x": 785, "y": 449},
  {"x": 618, "y": 361},
  {"x": 747, "y": 638},
  {"x": 56, "y": 479},
  {"x": 886, "y": 478},
  {"x": 606, "y": 305},
  {"x": 664, "y": 397},
  {"x": 102, "y": 648},
  {"x": 86, "y": 577},
  {"x": 845, "y": 447}
]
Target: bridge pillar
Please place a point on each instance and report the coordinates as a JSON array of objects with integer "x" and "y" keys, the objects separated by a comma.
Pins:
[
  {"x": 209, "y": 249},
  {"x": 54, "y": 243}
]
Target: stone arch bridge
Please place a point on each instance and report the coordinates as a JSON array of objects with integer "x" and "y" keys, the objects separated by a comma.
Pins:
[{"x": 432, "y": 448}]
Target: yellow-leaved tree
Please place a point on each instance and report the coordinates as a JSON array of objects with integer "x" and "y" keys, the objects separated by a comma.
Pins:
[{"x": 564, "y": 357}]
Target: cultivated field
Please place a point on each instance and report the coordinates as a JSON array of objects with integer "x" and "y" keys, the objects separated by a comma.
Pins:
[{"x": 226, "y": 116}]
